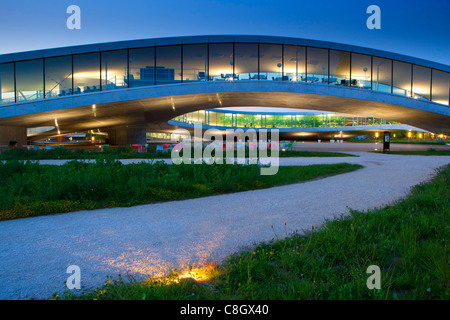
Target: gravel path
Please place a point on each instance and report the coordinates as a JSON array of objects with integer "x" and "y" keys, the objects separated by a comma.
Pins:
[{"x": 150, "y": 239}]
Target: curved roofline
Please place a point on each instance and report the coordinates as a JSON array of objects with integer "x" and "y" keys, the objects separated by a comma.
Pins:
[{"x": 116, "y": 45}]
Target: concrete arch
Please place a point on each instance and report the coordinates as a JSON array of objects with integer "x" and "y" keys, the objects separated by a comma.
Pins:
[{"x": 158, "y": 104}]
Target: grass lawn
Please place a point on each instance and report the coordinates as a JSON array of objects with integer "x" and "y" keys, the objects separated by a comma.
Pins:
[
  {"x": 128, "y": 153},
  {"x": 408, "y": 240},
  {"x": 429, "y": 152},
  {"x": 28, "y": 189}
]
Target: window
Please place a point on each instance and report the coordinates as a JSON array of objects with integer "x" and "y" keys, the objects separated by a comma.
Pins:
[
  {"x": 58, "y": 76},
  {"x": 270, "y": 62},
  {"x": 168, "y": 65},
  {"x": 221, "y": 62},
  {"x": 317, "y": 65},
  {"x": 30, "y": 80},
  {"x": 339, "y": 68},
  {"x": 142, "y": 67},
  {"x": 294, "y": 63},
  {"x": 86, "y": 73},
  {"x": 441, "y": 87},
  {"x": 421, "y": 82},
  {"x": 7, "y": 83},
  {"x": 114, "y": 70},
  {"x": 381, "y": 75},
  {"x": 361, "y": 70},
  {"x": 195, "y": 62},
  {"x": 246, "y": 61},
  {"x": 402, "y": 78}
]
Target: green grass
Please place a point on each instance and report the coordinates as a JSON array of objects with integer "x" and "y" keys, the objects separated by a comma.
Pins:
[
  {"x": 128, "y": 153},
  {"x": 429, "y": 152},
  {"x": 402, "y": 141},
  {"x": 28, "y": 189},
  {"x": 408, "y": 240},
  {"x": 295, "y": 153}
]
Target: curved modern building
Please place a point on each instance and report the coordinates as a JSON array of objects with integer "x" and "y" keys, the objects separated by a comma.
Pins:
[{"x": 130, "y": 87}]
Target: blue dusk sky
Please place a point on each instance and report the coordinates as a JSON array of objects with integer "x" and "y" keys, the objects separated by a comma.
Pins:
[{"x": 416, "y": 28}]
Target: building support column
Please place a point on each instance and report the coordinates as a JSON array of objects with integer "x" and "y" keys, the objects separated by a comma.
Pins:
[
  {"x": 13, "y": 135},
  {"x": 126, "y": 135}
]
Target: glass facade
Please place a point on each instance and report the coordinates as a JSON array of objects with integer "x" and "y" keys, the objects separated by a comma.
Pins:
[
  {"x": 116, "y": 69},
  {"x": 7, "y": 83},
  {"x": 86, "y": 73},
  {"x": 195, "y": 62},
  {"x": 141, "y": 67},
  {"x": 317, "y": 65},
  {"x": 271, "y": 62},
  {"x": 361, "y": 71},
  {"x": 294, "y": 63},
  {"x": 401, "y": 75},
  {"x": 381, "y": 75},
  {"x": 30, "y": 80},
  {"x": 340, "y": 68},
  {"x": 221, "y": 62},
  {"x": 58, "y": 76},
  {"x": 246, "y": 61},
  {"x": 421, "y": 82},
  {"x": 280, "y": 121},
  {"x": 168, "y": 65},
  {"x": 440, "y": 89}
]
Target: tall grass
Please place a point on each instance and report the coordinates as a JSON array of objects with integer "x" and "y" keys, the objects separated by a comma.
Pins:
[
  {"x": 29, "y": 189},
  {"x": 129, "y": 153}
]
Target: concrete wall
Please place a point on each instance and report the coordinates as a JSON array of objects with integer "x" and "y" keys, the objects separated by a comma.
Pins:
[
  {"x": 9, "y": 134},
  {"x": 159, "y": 104},
  {"x": 126, "y": 135}
]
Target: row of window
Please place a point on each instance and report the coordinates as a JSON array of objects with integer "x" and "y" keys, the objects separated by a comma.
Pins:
[
  {"x": 109, "y": 70},
  {"x": 222, "y": 119}
]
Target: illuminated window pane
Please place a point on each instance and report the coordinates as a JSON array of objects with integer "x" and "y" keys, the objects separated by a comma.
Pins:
[
  {"x": 300, "y": 121},
  {"x": 317, "y": 65},
  {"x": 270, "y": 121},
  {"x": 221, "y": 61},
  {"x": 29, "y": 80},
  {"x": 421, "y": 82},
  {"x": 58, "y": 76},
  {"x": 86, "y": 73},
  {"x": 7, "y": 83},
  {"x": 212, "y": 118},
  {"x": 361, "y": 68},
  {"x": 270, "y": 62},
  {"x": 195, "y": 62},
  {"x": 339, "y": 68},
  {"x": 246, "y": 61},
  {"x": 114, "y": 70},
  {"x": 402, "y": 78},
  {"x": 142, "y": 67},
  {"x": 381, "y": 71},
  {"x": 168, "y": 64},
  {"x": 309, "y": 121},
  {"x": 294, "y": 63},
  {"x": 202, "y": 116},
  {"x": 441, "y": 87}
]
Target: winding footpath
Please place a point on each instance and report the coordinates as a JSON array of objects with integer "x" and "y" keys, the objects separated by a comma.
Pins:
[{"x": 151, "y": 239}]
